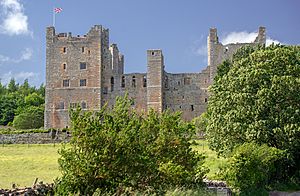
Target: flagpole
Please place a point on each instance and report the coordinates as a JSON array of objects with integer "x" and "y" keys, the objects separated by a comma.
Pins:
[{"x": 53, "y": 17}]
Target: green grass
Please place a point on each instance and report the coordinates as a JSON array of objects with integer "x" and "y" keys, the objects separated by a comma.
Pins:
[
  {"x": 21, "y": 164},
  {"x": 212, "y": 161}
]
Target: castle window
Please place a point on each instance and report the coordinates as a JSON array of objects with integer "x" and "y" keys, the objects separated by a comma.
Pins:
[
  {"x": 66, "y": 83},
  {"x": 112, "y": 82},
  {"x": 89, "y": 52},
  {"x": 82, "y": 82},
  {"x": 192, "y": 107},
  {"x": 123, "y": 82},
  {"x": 83, "y": 105},
  {"x": 64, "y": 50},
  {"x": 152, "y": 53},
  {"x": 82, "y": 49},
  {"x": 178, "y": 83},
  {"x": 105, "y": 90},
  {"x": 205, "y": 100},
  {"x": 61, "y": 105},
  {"x": 82, "y": 65},
  {"x": 64, "y": 66},
  {"x": 133, "y": 81},
  {"x": 144, "y": 81},
  {"x": 187, "y": 81}
]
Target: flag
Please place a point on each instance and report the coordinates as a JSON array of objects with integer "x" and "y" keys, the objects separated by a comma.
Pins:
[{"x": 57, "y": 10}]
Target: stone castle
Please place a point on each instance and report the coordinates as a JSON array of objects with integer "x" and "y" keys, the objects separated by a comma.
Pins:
[{"x": 89, "y": 72}]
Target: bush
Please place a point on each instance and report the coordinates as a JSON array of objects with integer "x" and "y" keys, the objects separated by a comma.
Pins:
[
  {"x": 252, "y": 167},
  {"x": 118, "y": 150},
  {"x": 31, "y": 118}
]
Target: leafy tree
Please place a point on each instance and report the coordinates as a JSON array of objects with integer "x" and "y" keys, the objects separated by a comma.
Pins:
[
  {"x": 31, "y": 118},
  {"x": 255, "y": 98},
  {"x": 116, "y": 149},
  {"x": 7, "y": 109},
  {"x": 34, "y": 99},
  {"x": 252, "y": 167},
  {"x": 200, "y": 123},
  {"x": 12, "y": 86}
]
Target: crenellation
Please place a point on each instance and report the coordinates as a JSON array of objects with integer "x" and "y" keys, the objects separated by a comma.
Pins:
[{"x": 89, "y": 72}]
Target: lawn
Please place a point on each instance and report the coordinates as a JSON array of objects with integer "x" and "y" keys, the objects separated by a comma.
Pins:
[{"x": 21, "y": 164}]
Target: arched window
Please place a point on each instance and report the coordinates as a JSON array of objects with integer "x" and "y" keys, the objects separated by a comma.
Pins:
[
  {"x": 144, "y": 81},
  {"x": 112, "y": 82},
  {"x": 133, "y": 81},
  {"x": 123, "y": 82}
]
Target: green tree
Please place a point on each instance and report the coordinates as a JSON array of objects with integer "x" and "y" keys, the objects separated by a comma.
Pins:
[
  {"x": 8, "y": 106},
  {"x": 116, "y": 149},
  {"x": 31, "y": 118},
  {"x": 255, "y": 98},
  {"x": 12, "y": 86}
]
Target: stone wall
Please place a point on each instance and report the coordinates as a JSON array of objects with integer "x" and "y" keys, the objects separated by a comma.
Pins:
[{"x": 35, "y": 138}]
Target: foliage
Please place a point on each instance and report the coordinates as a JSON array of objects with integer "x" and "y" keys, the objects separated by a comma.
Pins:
[
  {"x": 253, "y": 167},
  {"x": 16, "y": 99},
  {"x": 116, "y": 149},
  {"x": 200, "y": 123},
  {"x": 255, "y": 98},
  {"x": 32, "y": 118}
]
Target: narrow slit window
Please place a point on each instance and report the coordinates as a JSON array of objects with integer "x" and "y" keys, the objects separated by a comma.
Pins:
[
  {"x": 112, "y": 83},
  {"x": 123, "y": 82},
  {"x": 192, "y": 107},
  {"x": 144, "y": 81},
  {"x": 82, "y": 49},
  {"x": 133, "y": 81}
]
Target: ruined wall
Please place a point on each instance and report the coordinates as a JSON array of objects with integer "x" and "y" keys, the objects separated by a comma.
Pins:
[
  {"x": 187, "y": 92},
  {"x": 217, "y": 52}
]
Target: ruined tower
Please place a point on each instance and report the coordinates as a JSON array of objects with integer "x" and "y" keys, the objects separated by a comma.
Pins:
[
  {"x": 155, "y": 77},
  {"x": 217, "y": 52}
]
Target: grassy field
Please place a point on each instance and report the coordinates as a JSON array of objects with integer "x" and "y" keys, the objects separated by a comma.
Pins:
[{"x": 21, "y": 164}]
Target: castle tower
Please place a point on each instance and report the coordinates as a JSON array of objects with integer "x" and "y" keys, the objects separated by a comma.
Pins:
[
  {"x": 212, "y": 56},
  {"x": 74, "y": 66},
  {"x": 155, "y": 75}
]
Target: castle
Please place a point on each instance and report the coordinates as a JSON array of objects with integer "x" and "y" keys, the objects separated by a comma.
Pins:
[{"x": 89, "y": 72}]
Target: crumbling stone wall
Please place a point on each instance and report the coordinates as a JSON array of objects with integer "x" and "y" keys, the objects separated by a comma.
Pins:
[{"x": 35, "y": 138}]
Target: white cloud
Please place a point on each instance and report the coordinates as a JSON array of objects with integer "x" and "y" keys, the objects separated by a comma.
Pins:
[
  {"x": 202, "y": 50},
  {"x": 26, "y": 54},
  {"x": 15, "y": 21},
  {"x": 244, "y": 37},
  {"x": 19, "y": 77}
]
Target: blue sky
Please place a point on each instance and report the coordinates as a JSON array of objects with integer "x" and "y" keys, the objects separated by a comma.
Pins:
[{"x": 178, "y": 27}]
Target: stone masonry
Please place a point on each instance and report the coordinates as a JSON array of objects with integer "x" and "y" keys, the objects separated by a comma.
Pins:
[{"x": 87, "y": 71}]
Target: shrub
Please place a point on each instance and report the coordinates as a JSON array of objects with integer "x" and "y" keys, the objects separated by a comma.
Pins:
[
  {"x": 31, "y": 118},
  {"x": 118, "y": 150},
  {"x": 254, "y": 167}
]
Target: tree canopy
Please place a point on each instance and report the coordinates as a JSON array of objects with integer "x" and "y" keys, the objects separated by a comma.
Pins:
[
  {"x": 24, "y": 102},
  {"x": 255, "y": 98},
  {"x": 120, "y": 149}
]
